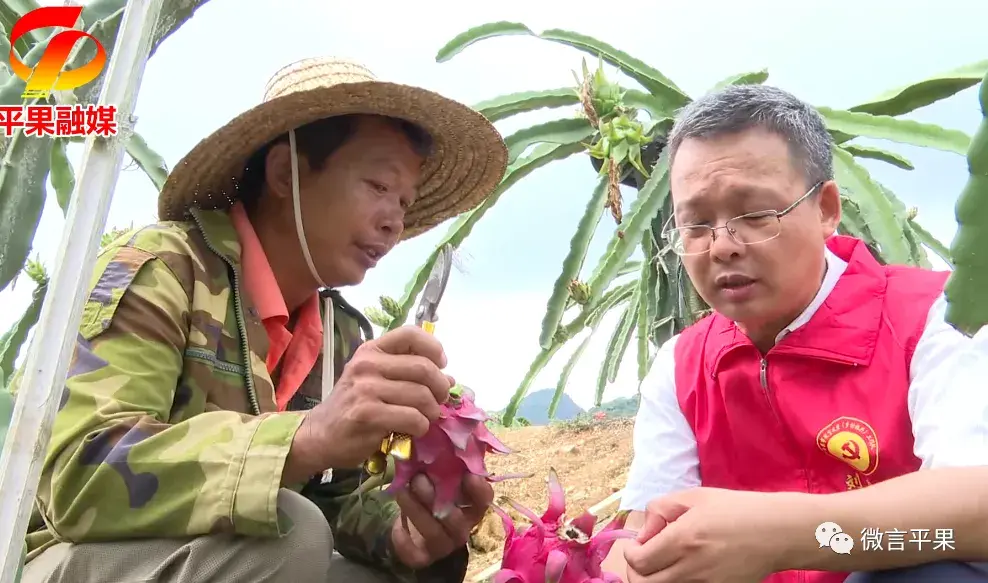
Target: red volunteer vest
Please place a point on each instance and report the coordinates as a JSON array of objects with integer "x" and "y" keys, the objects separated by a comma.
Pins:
[{"x": 825, "y": 410}]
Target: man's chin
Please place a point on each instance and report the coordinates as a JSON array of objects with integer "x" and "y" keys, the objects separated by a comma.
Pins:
[
  {"x": 356, "y": 275},
  {"x": 740, "y": 312},
  {"x": 348, "y": 282},
  {"x": 347, "y": 277}
]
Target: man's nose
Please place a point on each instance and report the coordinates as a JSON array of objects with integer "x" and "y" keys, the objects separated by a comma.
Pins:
[
  {"x": 392, "y": 223},
  {"x": 724, "y": 246}
]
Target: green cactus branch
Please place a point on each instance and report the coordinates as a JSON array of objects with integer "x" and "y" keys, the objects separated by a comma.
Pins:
[{"x": 967, "y": 305}]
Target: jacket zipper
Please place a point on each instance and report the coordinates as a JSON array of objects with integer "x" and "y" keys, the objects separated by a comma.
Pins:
[
  {"x": 763, "y": 376},
  {"x": 241, "y": 321}
]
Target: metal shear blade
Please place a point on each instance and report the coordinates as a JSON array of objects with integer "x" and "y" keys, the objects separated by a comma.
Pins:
[
  {"x": 435, "y": 286},
  {"x": 399, "y": 445}
]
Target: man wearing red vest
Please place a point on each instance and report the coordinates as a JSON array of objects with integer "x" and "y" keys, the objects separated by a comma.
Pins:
[{"x": 825, "y": 424}]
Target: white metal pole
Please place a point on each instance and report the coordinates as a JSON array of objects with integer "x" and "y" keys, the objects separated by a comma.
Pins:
[{"x": 51, "y": 349}]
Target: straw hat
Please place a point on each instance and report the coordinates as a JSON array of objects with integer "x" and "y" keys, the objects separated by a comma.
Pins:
[{"x": 468, "y": 161}]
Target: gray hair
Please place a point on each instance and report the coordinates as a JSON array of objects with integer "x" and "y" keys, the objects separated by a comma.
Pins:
[{"x": 742, "y": 107}]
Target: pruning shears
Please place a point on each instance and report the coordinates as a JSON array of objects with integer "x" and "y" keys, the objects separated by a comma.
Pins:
[{"x": 399, "y": 445}]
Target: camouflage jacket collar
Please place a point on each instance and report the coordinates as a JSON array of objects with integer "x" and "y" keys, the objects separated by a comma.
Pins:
[
  {"x": 217, "y": 228},
  {"x": 220, "y": 235}
]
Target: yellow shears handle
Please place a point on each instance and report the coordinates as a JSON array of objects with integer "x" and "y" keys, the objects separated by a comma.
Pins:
[{"x": 398, "y": 445}]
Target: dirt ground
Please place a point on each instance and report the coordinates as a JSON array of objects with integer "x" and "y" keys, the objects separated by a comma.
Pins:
[{"x": 590, "y": 458}]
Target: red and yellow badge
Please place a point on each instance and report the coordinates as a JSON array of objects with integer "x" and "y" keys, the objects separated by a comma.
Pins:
[{"x": 852, "y": 441}]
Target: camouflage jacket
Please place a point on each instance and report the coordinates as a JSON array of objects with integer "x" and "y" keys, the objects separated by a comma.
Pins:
[{"x": 168, "y": 427}]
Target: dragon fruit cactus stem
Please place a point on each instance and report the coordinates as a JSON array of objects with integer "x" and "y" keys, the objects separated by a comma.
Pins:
[
  {"x": 455, "y": 446},
  {"x": 553, "y": 550}
]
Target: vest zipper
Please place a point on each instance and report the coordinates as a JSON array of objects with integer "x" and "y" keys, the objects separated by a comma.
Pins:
[
  {"x": 763, "y": 377},
  {"x": 241, "y": 321}
]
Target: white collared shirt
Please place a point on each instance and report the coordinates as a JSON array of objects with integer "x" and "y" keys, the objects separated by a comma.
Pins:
[{"x": 947, "y": 403}]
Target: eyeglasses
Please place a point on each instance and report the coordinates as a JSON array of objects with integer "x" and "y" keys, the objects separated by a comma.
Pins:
[{"x": 747, "y": 229}]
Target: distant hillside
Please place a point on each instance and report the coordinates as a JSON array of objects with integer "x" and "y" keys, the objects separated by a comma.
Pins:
[
  {"x": 620, "y": 407},
  {"x": 535, "y": 407}
]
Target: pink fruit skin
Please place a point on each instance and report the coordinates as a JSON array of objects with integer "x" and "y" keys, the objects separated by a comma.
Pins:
[
  {"x": 454, "y": 446},
  {"x": 552, "y": 551}
]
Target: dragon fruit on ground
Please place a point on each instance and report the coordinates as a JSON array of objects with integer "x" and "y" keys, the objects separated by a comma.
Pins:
[
  {"x": 454, "y": 446},
  {"x": 555, "y": 551}
]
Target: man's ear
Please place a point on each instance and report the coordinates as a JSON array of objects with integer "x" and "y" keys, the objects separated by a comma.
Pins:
[
  {"x": 830, "y": 212},
  {"x": 278, "y": 171}
]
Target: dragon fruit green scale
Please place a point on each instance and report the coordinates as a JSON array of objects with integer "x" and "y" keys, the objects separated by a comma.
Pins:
[{"x": 455, "y": 445}]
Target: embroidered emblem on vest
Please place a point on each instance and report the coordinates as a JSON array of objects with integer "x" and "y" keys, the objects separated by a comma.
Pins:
[{"x": 853, "y": 442}]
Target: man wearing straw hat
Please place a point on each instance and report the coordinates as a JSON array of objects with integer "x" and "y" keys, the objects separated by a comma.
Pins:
[{"x": 192, "y": 436}]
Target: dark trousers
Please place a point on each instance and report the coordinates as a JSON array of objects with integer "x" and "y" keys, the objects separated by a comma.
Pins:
[{"x": 946, "y": 572}]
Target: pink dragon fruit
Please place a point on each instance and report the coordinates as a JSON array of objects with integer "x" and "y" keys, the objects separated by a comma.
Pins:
[
  {"x": 454, "y": 446},
  {"x": 553, "y": 550}
]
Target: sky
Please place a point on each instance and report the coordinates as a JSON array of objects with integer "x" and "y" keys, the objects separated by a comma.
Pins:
[{"x": 827, "y": 53}]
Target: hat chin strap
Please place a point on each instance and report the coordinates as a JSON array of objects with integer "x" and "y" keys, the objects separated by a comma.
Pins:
[
  {"x": 298, "y": 212},
  {"x": 328, "y": 330}
]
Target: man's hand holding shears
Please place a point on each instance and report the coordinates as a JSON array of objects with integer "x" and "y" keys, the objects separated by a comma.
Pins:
[{"x": 391, "y": 389}]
